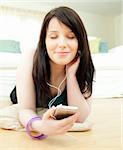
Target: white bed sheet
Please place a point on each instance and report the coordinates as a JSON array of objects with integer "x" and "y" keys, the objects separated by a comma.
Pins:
[
  {"x": 9, "y": 60},
  {"x": 106, "y": 61},
  {"x": 109, "y": 83},
  {"x": 109, "y": 74},
  {"x": 8, "y": 67}
]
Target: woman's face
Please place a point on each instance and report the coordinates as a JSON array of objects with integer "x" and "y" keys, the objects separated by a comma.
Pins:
[{"x": 61, "y": 42}]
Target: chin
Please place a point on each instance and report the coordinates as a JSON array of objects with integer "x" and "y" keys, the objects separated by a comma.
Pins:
[{"x": 63, "y": 62}]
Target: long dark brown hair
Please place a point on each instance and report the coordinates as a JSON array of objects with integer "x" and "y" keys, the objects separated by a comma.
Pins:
[{"x": 41, "y": 67}]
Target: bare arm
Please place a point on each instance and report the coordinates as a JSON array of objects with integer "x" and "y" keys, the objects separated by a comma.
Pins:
[
  {"x": 74, "y": 95},
  {"x": 25, "y": 88},
  {"x": 27, "y": 100}
]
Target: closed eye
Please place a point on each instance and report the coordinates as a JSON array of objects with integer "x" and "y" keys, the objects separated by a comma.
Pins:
[
  {"x": 53, "y": 37},
  {"x": 71, "y": 37}
]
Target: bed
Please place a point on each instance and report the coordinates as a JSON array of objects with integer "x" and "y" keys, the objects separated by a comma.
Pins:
[
  {"x": 8, "y": 67},
  {"x": 108, "y": 80},
  {"x": 109, "y": 73},
  {"x": 109, "y": 84}
]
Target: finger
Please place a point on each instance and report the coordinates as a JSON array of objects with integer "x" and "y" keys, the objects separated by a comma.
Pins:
[
  {"x": 67, "y": 127},
  {"x": 68, "y": 120},
  {"x": 77, "y": 61},
  {"x": 49, "y": 113},
  {"x": 64, "y": 129}
]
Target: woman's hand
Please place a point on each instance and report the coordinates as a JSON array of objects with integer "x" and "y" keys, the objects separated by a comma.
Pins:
[
  {"x": 72, "y": 67},
  {"x": 51, "y": 126}
]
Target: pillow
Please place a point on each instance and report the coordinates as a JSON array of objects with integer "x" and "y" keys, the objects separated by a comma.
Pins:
[
  {"x": 103, "y": 48},
  {"x": 5, "y": 103},
  {"x": 117, "y": 50},
  {"x": 10, "y": 46},
  {"x": 94, "y": 44},
  {"x": 9, "y": 119}
]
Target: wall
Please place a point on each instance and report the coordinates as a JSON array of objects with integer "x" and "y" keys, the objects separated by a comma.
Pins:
[
  {"x": 100, "y": 26},
  {"x": 21, "y": 25},
  {"x": 121, "y": 29},
  {"x": 29, "y": 22},
  {"x": 118, "y": 30}
]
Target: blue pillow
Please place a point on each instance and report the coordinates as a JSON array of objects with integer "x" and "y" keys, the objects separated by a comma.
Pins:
[
  {"x": 103, "y": 47},
  {"x": 10, "y": 46}
]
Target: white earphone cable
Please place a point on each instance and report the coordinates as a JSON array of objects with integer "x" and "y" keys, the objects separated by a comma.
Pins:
[{"x": 58, "y": 93}]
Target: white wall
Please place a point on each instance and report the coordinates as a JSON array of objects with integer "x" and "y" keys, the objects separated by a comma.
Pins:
[
  {"x": 121, "y": 29},
  {"x": 104, "y": 26},
  {"x": 100, "y": 26},
  {"x": 20, "y": 25},
  {"x": 118, "y": 30}
]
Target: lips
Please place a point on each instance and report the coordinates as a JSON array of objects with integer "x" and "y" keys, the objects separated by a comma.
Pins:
[{"x": 62, "y": 53}]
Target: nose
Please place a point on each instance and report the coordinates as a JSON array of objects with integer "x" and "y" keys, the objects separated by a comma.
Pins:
[{"x": 62, "y": 42}]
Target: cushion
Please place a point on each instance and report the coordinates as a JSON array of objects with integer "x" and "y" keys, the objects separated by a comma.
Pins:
[
  {"x": 5, "y": 103},
  {"x": 9, "y": 46},
  {"x": 94, "y": 44},
  {"x": 118, "y": 50},
  {"x": 103, "y": 48},
  {"x": 9, "y": 119}
]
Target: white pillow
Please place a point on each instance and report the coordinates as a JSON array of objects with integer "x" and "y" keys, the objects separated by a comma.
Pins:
[
  {"x": 9, "y": 119},
  {"x": 117, "y": 50}
]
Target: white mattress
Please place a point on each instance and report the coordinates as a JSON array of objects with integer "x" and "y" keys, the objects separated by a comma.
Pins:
[
  {"x": 9, "y": 60},
  {"x": 109, "y": 74},
  {"x": 7, "y": 82},
  {"x": 108, "y": 61},
  {"x": 8, "y": 66},
  {"x": 109, "y": 83}
]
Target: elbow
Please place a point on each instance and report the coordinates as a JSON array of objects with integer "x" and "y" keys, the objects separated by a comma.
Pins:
[{"x": 82, "y": 117}]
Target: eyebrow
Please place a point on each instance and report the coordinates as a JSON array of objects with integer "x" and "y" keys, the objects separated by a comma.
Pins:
[
  {"x": 52, "y": 31},
  {"x": 58, "y": 31}
]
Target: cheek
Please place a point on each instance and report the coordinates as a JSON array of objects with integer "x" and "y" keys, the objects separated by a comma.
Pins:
[
  {"x": 51, "y": 44},
  {"x": 74, "y": 47},
  {"x": 73, "y": 44}
]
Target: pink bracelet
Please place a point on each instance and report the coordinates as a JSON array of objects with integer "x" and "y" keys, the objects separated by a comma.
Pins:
[{"x": 41, "y": 136}]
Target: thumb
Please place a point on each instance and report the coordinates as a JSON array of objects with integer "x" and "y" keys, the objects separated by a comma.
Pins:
[{"x": 49, "y": 114}]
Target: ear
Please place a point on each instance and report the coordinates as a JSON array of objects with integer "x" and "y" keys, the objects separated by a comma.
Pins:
[{"x": 79, "y": 53}]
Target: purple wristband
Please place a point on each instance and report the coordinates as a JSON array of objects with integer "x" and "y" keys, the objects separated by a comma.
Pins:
[{"x": 41, "y": 136}]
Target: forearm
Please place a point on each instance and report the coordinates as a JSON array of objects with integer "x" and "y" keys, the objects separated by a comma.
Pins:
[
  {"x": 25, "y": 115},
  {"x": 75, "y": 98}
]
